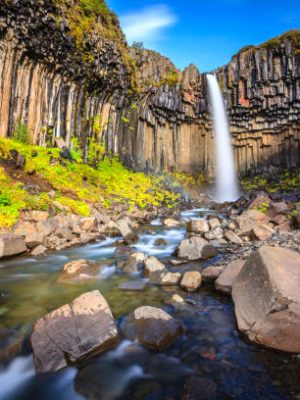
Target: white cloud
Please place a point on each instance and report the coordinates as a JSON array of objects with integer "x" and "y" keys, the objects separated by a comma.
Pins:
[{"x": 148, "y": 24}]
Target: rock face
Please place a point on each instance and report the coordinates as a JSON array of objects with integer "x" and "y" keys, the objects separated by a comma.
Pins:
[
  {"x": 152, "y": 327},
  {"x": 11, "y": 245},
  {"x": 43, "y": 87},
  {"x": 72, "y": 332},
  {"x": 266, "y": 298}
]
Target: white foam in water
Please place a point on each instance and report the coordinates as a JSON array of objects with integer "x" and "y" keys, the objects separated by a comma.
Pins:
[
  {"x": 119, "y": 352},
  {"x": 156, "y": 222},
  {"x": 107, "y": 271},
  {"x": 227, "y": 187},
  {"x": 17, "y": 374}
]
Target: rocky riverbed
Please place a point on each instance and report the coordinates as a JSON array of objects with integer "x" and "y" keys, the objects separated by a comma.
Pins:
[{"x": 150, "y": 307}]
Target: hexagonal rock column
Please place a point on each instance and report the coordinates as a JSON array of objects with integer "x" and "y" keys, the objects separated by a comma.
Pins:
[
  {"x": 73, "y": 332},
  {"x": 267, "y": 298}
]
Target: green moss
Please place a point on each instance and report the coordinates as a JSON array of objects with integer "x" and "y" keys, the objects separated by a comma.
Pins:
[
  {"x": 79, "y": 185},
  {"x": 285, "y": 182}
]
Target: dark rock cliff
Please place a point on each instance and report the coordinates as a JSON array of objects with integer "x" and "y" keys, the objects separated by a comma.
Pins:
[{"x": 62, "y": 82}]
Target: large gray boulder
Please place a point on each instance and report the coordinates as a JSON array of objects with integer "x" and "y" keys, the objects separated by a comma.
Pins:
[
  {"x": 267, "y": 298},
  {"x": 152, "y": 327},
  {"x": 11, "y": 245},
  {"x": 192, "y": 248},
  {"x": 73, "y": 332}
]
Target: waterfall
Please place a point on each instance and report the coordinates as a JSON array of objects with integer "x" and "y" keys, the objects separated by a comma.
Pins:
[{"x": 227, "y": 186}]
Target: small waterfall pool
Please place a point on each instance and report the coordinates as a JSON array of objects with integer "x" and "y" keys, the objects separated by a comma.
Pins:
[{"x": 210, "y": 348}]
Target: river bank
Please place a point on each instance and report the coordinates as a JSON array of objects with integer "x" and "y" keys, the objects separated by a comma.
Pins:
[{"x": 211, "y": 353}]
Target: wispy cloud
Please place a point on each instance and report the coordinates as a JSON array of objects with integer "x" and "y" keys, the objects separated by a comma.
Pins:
[{"x": 148, "y": 24}]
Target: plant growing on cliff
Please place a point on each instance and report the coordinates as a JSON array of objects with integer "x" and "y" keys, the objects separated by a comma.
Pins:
[{"x": 21, "y": 133}]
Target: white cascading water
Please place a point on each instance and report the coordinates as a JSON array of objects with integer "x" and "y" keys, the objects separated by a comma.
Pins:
[{"x": 227, "y": 186}]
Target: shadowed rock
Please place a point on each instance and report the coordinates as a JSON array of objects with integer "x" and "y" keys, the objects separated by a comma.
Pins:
[
  {"x": 73, "y": 332},
  {"x": 226, "y": 279},
  {"x": 152, "y": 327}
]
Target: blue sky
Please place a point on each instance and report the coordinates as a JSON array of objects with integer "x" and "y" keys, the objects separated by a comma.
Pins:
[{"x": 204, "y": 32}]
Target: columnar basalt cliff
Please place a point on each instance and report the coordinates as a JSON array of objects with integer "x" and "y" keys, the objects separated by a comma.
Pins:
[{"x": 61, "y": 83}]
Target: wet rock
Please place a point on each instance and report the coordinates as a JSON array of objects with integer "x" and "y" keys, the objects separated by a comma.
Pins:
[
  {"x": 131, "y": 238},
  {"x": 210, "y": 274},
  {"x": 11, "y": 245},
  {"x": 134, "y": 263},
  {"x": 191, "y": 249},
  {"x": 261, "y": 232},
  {"x": 177, "y": 299},
  {"x": 152, "y": 266},
  {"x": 73, "y": 332},
  {"x": 199, "y": 388},
  {"x": 197, "y": 226},
  {"x": 228, "y": 276},
  {"x": 134, "y": 286},
  {"x": 40, "y": 250},
  {"x": 167, "y": 278},
  {"x": 191, "y": 281},
  {"x": 79, "y": 269},
  {"x": 124, "y": 251},
  {"x": 152, "y": 327},
  {"x": 216, "y": 233},
  {"x": 178, "y": 262},
  {"x": 123, "y": 225},
  {"x": 209, "y": 251},
  {"x": 160, "y": 242},
  {"x": 232, "y": 237},
  {"x": 11, "y": 343},
  {"x": 267, "y": 300},
  {"x": 250, "y": 219},
  {"x": 171, "y": 222}
]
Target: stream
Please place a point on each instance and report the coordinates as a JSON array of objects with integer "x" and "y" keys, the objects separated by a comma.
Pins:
[{"x": 210, "y": 347}]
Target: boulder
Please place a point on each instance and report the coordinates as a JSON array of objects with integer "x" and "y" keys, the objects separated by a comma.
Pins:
[
  {"x": 282, "y": 207},
  {"x": 88, "y": 224},
  {"x": 152, "y": 266},
  {"x": 209, "y": 251},
  {"x": 11, "y": 245},
  {"x": 228, "y": 276},
  {"x": 216, "y": 233},
  {"x": 131, "y": 238},
  {"x": 191, "y": 249},
  {"x": 267, "y": 298},
  {"x": 39, "y": 250},
  {"x": 160, "y": 242},
  {"x": 79, "y": 269},
  {"x": 152, "y": 327},
  {"x": 167, "y": 278},
  {"x": 191, "y": 281},
  {"x": 250, "y": 219},
  {"x": 232, "y": 237},
  {"x": 123, "y": 226},
  {"x": 171, "y": 222},
  {"x": 73, "y": 332},
  {"x": 261, "y": 232},
  {"x": 134, "y": 263},
  {"x": 197, "y": 226},
  {"x": 214, "y": 223},
  {"x": 210, "y": 274}
]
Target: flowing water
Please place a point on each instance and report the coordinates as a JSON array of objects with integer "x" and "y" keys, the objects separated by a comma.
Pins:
[
  {"x": 227, "y": 186},
  {"x": 211, "y": 347}
]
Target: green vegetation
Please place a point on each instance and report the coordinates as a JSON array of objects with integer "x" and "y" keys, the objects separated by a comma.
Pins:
[
  {"x": 188, "y": 179},
  {"x": 262, "y": 207},
  {"x": 292, "y": 35},
  {"x": 21, "y": 133},
  {"x": 78, "y": 186},
  {"x": 285, "y": 182},
  {"x": 172, "y": 79}
]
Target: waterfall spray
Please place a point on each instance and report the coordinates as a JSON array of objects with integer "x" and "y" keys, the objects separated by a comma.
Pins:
[{"x": 227, "y": 186}]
